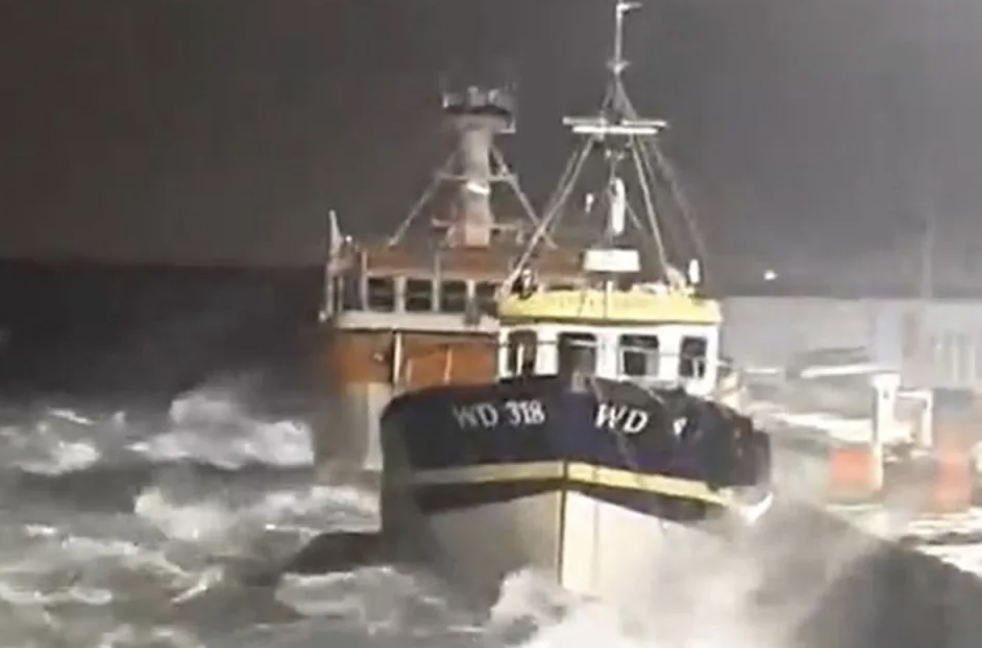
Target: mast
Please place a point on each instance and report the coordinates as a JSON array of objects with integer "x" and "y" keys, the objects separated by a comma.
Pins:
[
  {"x": 476, "y": 116},
  {"x": 626, "y": 140}
]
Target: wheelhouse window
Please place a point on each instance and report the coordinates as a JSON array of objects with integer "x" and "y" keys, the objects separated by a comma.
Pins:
[
  {"x": 577, "y": 354},
  {"x": 453, "y": 296},
  {"x": 349, "y": 289},
  {"x": 639, "y": 355},
  {"x": 522, "y": 347},
  {"x": 381, "y": 294},
  {"x": 419, "y": 295},
  {"x": 692, "y": 357},
  {"x": 484, "y": 294}
]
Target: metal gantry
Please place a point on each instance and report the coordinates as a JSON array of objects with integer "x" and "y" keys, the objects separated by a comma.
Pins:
[{"x": 622, "y": 135}]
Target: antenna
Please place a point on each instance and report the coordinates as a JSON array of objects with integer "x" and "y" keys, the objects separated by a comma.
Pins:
[
  {"x": 617, "y": 99},
  {"x": 618, "y": 63}
]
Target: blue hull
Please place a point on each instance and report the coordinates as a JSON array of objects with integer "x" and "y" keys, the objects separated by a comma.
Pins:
[{"x": 662, "y": 453}]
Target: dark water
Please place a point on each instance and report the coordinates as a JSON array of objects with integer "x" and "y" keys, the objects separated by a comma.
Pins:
[{"x": 113, "y": 331}]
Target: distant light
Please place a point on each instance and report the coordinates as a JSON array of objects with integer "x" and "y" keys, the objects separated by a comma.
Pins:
[{"x": 770, "y": 275}]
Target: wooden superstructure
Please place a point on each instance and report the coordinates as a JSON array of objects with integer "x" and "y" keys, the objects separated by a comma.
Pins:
[{"x": 409, "y": 319}]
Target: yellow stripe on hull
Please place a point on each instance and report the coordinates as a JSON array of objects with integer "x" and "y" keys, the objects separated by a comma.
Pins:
[{"x": 578, "y": 473}]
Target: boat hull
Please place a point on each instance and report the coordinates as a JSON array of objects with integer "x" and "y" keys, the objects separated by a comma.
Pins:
[
  {"x": 582, "y": 486},
  {"x": 361, "y": 371},
  {"x": 585, "y": 545},
  {"x": 354, "y": 391}
]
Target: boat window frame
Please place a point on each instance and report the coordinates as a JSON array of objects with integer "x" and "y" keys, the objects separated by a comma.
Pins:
[
  {"x": 443, "y": 300},
  {"x": 562, "y": 345},
  {"x": 389, "y": 303},
  {"x": 426, "y": 300},
  {"x": 486, "y": 303},
  {"x": 693, "y": 367},
  {"x": 348, "y": 294},
  {"x": 626, "y": 348},
  {"x": 517, "y": 343}
]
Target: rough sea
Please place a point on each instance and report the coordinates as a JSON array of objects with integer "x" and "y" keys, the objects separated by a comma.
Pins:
[
  {"x": 125, "y": 531},
  {"x": 145, "y": 525},
  {"x": 151, "y": 521}
]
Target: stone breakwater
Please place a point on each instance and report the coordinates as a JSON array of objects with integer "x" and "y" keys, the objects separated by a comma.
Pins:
[{"x": 899, "y": 594}]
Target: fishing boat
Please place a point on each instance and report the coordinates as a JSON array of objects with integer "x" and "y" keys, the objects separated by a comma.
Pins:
[
  {"x": 598, "y": 410},
  {"x": 415, "y": 308}
]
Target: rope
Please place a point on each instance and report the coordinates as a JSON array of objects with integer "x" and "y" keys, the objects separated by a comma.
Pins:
[{"x": 650, "y": 209}]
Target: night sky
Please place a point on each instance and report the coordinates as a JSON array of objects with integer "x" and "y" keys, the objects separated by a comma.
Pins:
[{"x": 219, "y": 131}]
